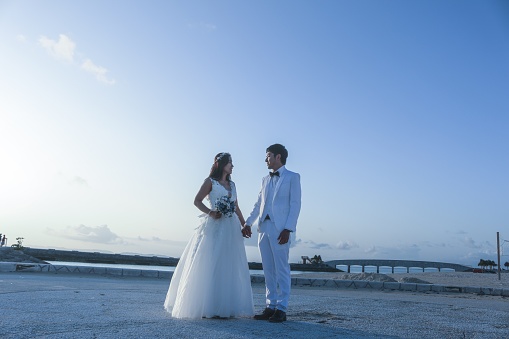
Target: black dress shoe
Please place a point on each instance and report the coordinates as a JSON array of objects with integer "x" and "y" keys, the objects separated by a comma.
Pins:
[
  {"x": 278, "y": 317},
  {"x": 265, "y": 315}
]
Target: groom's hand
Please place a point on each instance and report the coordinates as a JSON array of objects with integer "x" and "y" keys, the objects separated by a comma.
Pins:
[
  {"x": 284, "y": 236},
  {"x": 246, "y": 231}
]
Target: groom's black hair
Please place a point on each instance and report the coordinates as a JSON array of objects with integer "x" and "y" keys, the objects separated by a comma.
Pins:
[{"x": 279, "y": 149}]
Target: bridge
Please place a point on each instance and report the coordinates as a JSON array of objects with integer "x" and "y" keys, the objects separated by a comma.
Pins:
[{"x": 396, "y": 263}]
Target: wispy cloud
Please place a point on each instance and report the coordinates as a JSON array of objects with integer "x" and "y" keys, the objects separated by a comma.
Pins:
[
  {"x": 98, "y": 71},
  {"x": 149, "y": 239},
  {"x": 21, "y": 38},
  {"x": 481, "y": 254},
  {"x": 435, "y": 245},
  {"x": 99, "y": 234},
  {"x": 469, "y": 242},
  {"x": 62, "y": 49},
  {"x": 159, "y": 240},
  {"x": 79, "y": 181},
  {"x": 310, "y": 244},
  {"x": 342, "y": 245},
  {"x": 76, "y": 180},
  {"x": 65, "y": 49},
  {"x": 346, "y": 246},
  {"x": 371, "y": 250},
  {"x": 408, "y": 252},
  {"x": 202, "y": 26}
]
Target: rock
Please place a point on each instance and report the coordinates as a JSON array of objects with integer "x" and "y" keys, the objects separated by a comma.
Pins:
[
  {"x": 368, "y": 277},
  {"x": 9, "y": 254},
  {"x": 413, "y": 280}
]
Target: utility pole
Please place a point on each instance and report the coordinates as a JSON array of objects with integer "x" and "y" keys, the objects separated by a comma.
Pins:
[{"x": 498, "y": 253}]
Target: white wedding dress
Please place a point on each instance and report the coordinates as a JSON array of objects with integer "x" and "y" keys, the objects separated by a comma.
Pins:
[{"x": 212, "y": 276}]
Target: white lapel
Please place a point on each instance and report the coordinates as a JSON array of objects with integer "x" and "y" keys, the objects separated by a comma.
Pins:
[{"x": 266, "y": 184}]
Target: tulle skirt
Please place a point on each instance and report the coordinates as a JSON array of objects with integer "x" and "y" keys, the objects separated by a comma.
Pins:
[{"x": 212, "y": 277}]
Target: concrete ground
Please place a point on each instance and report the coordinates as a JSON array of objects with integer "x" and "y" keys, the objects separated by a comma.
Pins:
[{"x": 45, "y": 305}]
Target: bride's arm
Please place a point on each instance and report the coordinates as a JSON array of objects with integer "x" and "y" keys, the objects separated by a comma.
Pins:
[
  {"x": 205, "y": 189},
  {"x": 246, "y": 230},
  {"x": 239, "y": 213}
]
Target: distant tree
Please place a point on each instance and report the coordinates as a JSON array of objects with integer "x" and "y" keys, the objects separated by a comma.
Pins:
[
  {"x": 485, "y": 263},
  {"x": 506, "y": 265}
]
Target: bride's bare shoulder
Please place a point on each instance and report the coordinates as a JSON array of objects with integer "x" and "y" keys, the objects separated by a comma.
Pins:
[{"x": 207, "y": 182}]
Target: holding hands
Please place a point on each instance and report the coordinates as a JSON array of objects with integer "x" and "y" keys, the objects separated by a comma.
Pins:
[{"x": 246, "y": 231}]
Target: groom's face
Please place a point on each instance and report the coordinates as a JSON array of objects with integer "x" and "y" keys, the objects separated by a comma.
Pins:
[{"x": 273, "y": 162}]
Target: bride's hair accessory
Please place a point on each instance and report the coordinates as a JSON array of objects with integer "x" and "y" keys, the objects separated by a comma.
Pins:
[{"x": 220, "y": 156}]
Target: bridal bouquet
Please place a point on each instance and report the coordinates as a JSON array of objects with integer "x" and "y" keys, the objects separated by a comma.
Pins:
[{"x": 225, "y": 206}]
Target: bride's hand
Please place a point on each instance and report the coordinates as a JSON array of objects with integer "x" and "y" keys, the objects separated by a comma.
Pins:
[{"x": 215, "y": 214}]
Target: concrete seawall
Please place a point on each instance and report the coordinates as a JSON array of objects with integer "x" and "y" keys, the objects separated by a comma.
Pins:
[
  {"x": 6, "y": 267},
  {"x": 127, "y": 259}
]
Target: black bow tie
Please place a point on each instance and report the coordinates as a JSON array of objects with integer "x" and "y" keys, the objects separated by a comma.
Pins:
[{"x": 274, "y": 174}]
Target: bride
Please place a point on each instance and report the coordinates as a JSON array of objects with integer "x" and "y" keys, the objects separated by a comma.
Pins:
[{"x": 212, "y": 277}]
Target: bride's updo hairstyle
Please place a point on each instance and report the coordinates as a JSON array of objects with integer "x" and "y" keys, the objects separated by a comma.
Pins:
[{"x": 220, "y": 160}]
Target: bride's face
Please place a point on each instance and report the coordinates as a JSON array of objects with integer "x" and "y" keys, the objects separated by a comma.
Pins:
[{"x": 228, "y": 168}]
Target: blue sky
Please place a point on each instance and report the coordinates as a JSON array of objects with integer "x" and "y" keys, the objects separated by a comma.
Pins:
[{"x": 395, "y": 114}]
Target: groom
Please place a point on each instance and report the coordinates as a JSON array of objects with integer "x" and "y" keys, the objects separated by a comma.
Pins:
[{"x": 276, "y": 213}]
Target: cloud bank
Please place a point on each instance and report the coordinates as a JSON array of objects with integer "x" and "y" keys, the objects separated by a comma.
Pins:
[{"x": 99, "y": 234}]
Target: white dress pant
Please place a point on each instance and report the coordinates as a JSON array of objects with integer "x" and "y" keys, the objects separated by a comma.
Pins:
[{"x": 275, "y": 266}]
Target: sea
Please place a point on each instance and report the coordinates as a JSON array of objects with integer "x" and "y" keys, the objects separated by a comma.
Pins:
[
  {"x": 353, "y": 269},
  {"x": 137, "y": 267}
]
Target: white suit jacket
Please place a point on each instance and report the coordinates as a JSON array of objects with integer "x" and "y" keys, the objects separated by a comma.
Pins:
[{"x": 285, "y": 204}]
